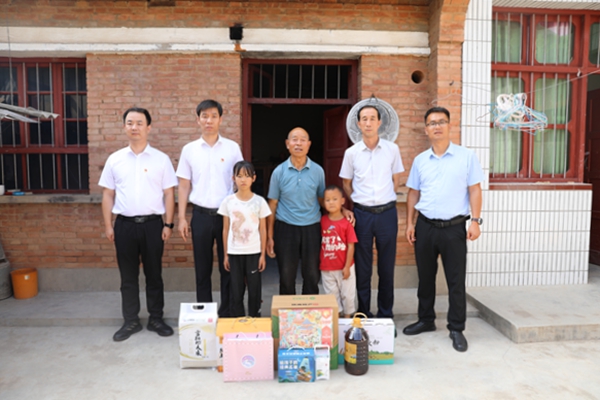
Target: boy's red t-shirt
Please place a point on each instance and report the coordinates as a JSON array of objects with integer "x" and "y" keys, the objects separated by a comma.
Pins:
[{"x": 335, "y": 235}]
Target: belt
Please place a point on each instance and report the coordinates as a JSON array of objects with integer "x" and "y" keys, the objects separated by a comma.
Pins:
[
  {"x": 441, "y": 223},
  {"x": 376, "y": 209},
  {"x": 204, "y": 210},
  {"x": 140, "y": 219}
]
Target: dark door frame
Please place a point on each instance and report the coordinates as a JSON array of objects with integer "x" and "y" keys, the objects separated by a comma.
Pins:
[{"x": 248, "y": 100}]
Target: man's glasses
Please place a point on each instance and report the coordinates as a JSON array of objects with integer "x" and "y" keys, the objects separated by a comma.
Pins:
[{"x": 433, "y": 124}]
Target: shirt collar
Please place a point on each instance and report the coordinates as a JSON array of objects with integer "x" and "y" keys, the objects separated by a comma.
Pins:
[
  {"x": 449, "y": 151},
  {"x": 364, "y": 147},
  {"x": 145, "y": 151},
  {"x": 290, "y": 165},
  {"x": 203, "y": 142}
]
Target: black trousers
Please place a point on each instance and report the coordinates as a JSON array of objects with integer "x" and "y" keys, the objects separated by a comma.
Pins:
[
  {"x": 206, "y": 229},
  {"x": 451, "y": 244},
  {"x": 384, "y": 228},
  {"x": 293, "y": 244},
  {"x": 133, "y": 242},
  {"x": 244, "y": 271}
]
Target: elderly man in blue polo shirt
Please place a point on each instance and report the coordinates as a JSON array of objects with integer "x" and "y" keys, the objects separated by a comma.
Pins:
[
  {"x": 294, "y": 228},
  {"x": 445, "y": 183}
]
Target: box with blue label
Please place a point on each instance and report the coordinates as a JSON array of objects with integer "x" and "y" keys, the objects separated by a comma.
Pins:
[
  {"x": 381, "y": 339},
  {"x": 296, "y": 365}
]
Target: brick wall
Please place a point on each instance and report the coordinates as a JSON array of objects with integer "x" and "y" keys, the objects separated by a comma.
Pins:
[
  {"x": 170, "y": 86},
  {"x": 404, "y": 15},
  {"x": 446, "y": 35},
  {"x": 389, "y": 78}
]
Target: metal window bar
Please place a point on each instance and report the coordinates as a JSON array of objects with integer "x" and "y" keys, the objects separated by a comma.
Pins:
[
  {"x": 520, "y": 38},
  {"x": 497, "y": 44},
  {"x": 339, "y": 81},
  {"x": 566, "y": 135},
  {"x": 274, "y": 79},
  {"x": 325, "y": 85},
  {"x": 545, "y": 37},
  {"x": 556, "y": 46},
  {"x": 532, "y": 32},
  {"x": 554, "y": 131},
  {"x": 64, "y": 96},
  {"x": 543, "y": 133},
  {"x": 569, "y": 29},
  {"x": 530, "y": 137},
  {"x": 598, "y": 49},
  {"x": 312, "y": 92},
  {"x": 260, "y": 82},
  {"x": 507, "y": 40},
  {"x": 287, "y": 77}
]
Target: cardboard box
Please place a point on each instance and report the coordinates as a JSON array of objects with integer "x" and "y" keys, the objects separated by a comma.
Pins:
[
  {"x": 322, "y": 362},
  {"x": 296, "y": 365},
  {"x": 237, "y": 325},
  {"x": 381, "y": 339},
  {"x": 248, "y": 356},
  {"x": 307, "y": 302},
  {"x": 198, "y": 335}
]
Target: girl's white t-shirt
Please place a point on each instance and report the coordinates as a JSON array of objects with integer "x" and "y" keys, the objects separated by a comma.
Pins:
[{"x": 244, "y": 222}]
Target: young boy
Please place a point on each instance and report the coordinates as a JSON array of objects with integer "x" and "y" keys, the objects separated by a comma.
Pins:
[{"x": 337, "y": 252}]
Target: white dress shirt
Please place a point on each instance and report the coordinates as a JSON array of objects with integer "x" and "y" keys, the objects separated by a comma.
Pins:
[
  {"x": 209, "y": 169},
  {"x": 371, "y": 172},
  {"x": 139, "y": 180}
]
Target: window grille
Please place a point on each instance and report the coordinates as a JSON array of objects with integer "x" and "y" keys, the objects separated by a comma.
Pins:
[
  {"x": 51, "y": 155},
  {"x": 543, "y": 55}
]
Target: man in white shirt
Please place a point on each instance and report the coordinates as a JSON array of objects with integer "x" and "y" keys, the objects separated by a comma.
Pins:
[
  {"x": 205, "y": 174},
  {"x": 138, "y": 183},
  {"x": 371, "y": 173}
]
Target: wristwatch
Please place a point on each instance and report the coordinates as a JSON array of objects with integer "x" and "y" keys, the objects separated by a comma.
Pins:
[
  {"x": 170, "y": 226},
  {"x": 479, "y": 221}
]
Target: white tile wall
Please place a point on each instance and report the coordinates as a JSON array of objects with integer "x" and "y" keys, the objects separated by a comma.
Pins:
[{"x": 537, "y": 237}]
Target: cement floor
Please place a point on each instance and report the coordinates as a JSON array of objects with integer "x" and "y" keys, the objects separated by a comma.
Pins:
[
  {"x": 59, "y": 346},
  {"x": 84, "y": 363}
]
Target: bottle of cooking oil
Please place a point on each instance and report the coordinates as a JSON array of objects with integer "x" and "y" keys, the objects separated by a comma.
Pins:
[{"x": 356, "y": 354}]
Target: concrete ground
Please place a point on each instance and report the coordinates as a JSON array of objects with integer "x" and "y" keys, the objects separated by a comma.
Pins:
[{"x": 59, "y": 346}]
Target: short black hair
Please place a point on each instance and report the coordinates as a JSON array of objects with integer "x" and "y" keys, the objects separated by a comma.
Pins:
[
  {"x": 244, "y": 166},
  {"x": 206, "y": 104},
  {"x": 368, "y": 106},
  {"x": 333, "y": 187},
  {"x": 437, "y": 110},
  {"x": 138, "y": 110}
]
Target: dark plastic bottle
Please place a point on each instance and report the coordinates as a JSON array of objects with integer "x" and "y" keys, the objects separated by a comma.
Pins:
[{"x": 356, "y": 354}]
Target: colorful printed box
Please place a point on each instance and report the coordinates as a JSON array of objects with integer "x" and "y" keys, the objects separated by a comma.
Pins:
[
  {"x": 381, "y": 339},
  {"x": 306, "y": 302},
  {"x": 305, "y": 327}
]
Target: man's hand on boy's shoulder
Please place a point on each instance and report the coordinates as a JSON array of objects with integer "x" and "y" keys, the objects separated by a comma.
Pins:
[{"x": 349, "y": 215}]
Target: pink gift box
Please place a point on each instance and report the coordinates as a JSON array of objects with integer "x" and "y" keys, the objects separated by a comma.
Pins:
[{"x": 247, "y": 356}]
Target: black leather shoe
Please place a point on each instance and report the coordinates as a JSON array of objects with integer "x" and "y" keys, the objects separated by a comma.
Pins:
[
  {"x": 459, "y": 342},
  {"x": 128, "y": 329},
  {"x": 419, "y": 327},
  {"x": 159, "y": 326}
]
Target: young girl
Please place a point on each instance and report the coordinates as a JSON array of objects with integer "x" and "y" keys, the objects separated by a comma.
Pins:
[{"x": 244, "y": 240}]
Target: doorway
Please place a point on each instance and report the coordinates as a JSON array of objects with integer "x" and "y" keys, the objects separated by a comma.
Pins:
[
  {"x": 592, "y": 162},
  {"x": 279, "y": 95}
]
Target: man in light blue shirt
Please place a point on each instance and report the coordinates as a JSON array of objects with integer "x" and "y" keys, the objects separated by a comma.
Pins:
[
  {"x": 444, "y": 183},
  {"x": 294, "y": 228}
]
